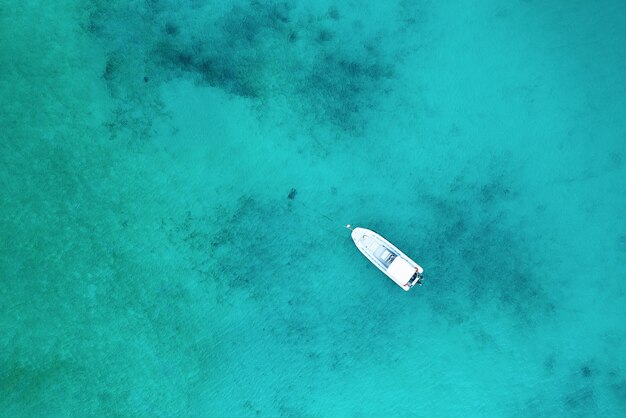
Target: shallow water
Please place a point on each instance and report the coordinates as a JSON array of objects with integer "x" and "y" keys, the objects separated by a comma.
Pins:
[{"x": 154, "y": 262}]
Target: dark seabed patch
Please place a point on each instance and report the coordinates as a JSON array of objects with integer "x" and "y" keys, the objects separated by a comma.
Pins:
[
  {"x": 251, "y": 250},
  {"x": 477, "y": 254},
  {"x": 549, "y": 364},
  {"x": 261, "y": 252},
  {"x": 585, "y": 371},
  {"x": 264, "y": 51},
  {"x": 581, "y": 402}
]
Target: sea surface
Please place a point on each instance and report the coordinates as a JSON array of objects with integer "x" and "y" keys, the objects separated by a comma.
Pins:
[{"x": 175, "y": 177}]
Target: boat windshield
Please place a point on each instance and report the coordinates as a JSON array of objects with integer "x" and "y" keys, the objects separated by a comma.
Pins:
[{"x": 384, "y": 255}]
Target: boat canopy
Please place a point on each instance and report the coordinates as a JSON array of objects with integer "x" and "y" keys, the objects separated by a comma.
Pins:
[{"x": 400, "y": 271}]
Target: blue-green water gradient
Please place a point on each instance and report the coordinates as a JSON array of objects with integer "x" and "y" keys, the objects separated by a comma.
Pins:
[{"x": 175, "y": 177}]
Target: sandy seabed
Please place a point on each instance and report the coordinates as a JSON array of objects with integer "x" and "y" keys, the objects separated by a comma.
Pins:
[{"x": 176, "y": 176}]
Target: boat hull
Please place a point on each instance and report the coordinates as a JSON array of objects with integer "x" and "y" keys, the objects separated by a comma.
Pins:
[{"x": 388, "y": 258}]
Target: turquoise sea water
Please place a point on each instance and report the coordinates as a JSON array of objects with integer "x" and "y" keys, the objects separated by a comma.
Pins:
[{"x": 153, "y": 263}]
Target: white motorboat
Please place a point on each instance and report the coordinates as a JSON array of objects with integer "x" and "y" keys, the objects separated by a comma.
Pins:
[{"x": 405, "y": 272}]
